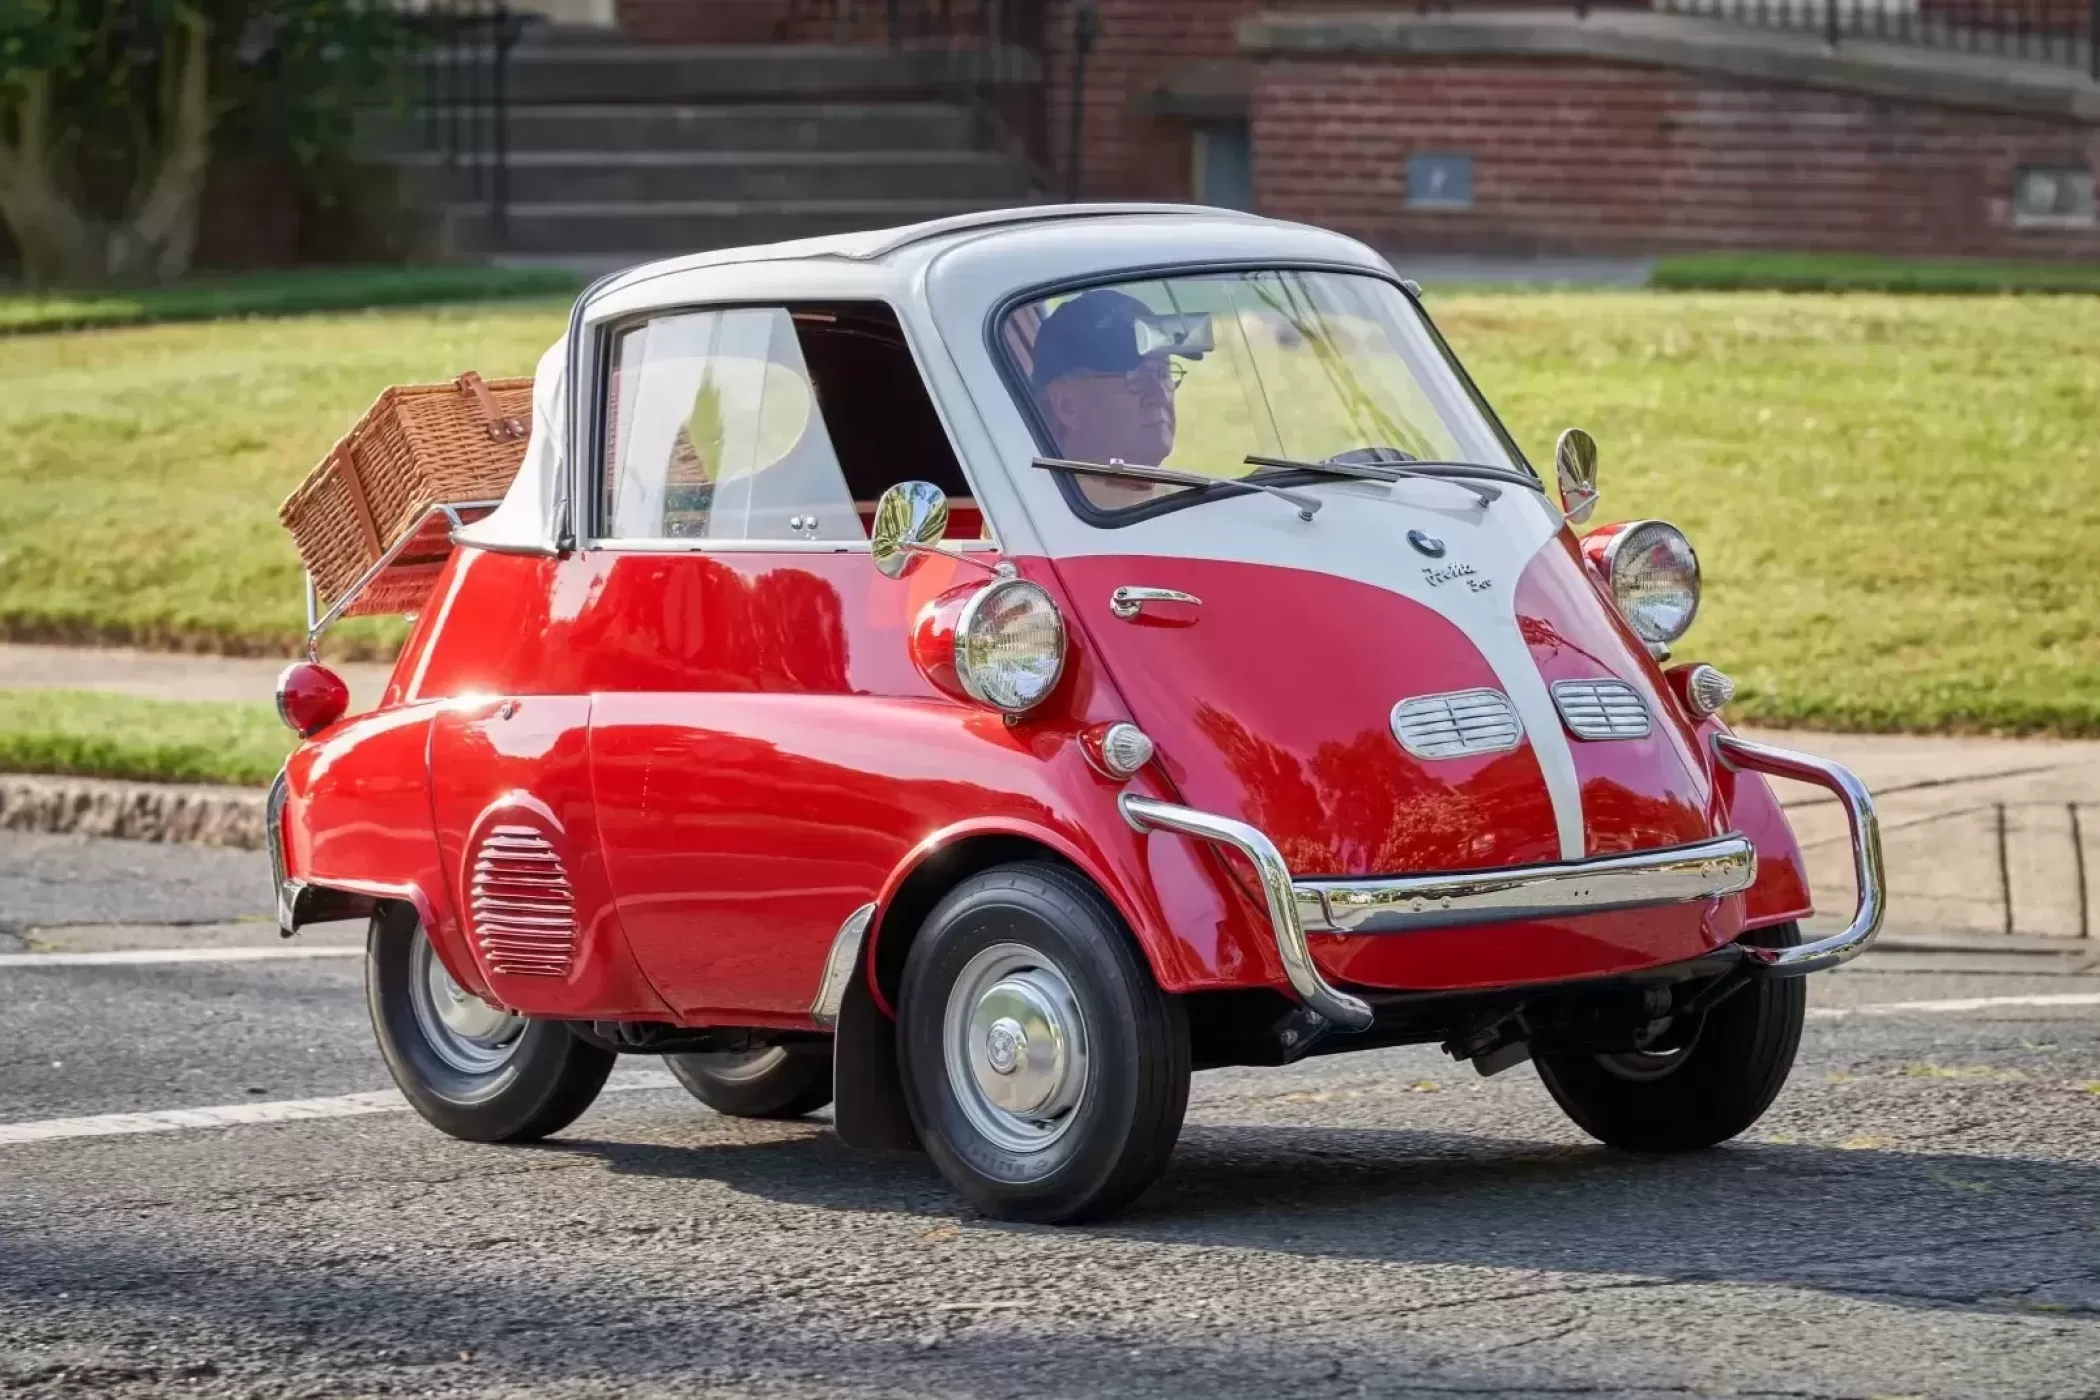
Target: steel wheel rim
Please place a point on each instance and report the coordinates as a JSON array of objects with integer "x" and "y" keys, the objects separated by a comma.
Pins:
[
  {"x": 1015, "y": 1048},
  {"x": 1644, "y": 1066},
  {"x": 737, "y": 1066},
  {"x": 461, "y": 1029}
]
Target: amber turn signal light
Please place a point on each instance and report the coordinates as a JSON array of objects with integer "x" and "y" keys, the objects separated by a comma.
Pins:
[{"x": 310, "y": 697}]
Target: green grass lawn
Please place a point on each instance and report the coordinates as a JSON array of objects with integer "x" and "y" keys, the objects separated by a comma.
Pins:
[
  {"x": 142, "y": 468},
  {"x": 122, "y": 736},
  {"x": 1867, "y": 272},
  {"x": 1897, "y": 500},
  {"x": 294, "y": 292}
]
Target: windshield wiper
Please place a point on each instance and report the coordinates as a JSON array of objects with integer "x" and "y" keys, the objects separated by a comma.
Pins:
[
  {"x": 1305, "y": 505},
  {"x": 1389, "y": 471}
]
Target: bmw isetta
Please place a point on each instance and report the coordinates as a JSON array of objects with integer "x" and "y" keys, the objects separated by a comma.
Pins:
[{"x": 977, "y": 673}]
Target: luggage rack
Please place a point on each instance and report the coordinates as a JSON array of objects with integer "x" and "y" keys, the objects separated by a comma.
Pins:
[{"x": 420, "y": 552}]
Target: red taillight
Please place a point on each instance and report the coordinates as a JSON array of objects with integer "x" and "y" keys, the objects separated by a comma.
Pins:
[{"x": 310, "y": 697}]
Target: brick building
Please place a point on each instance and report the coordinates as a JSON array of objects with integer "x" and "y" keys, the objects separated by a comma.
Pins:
[{"x": 1928, "y": 126}]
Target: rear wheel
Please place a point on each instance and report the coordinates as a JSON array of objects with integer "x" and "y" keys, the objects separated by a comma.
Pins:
[
  {"x": 1714, "y": 1084},
  {"x": 779, "y": 1081},
  {"x": 1045, "y": 1070},
  {"x": 471, "y": 1069}
]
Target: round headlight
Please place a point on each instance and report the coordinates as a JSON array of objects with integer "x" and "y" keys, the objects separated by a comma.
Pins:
[
  {"x": 1654, "y": 576},
  {"x": 1010, "y": 645}
]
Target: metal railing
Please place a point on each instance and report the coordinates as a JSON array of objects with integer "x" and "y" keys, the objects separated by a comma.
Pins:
[
  {"x": 2039, "y": 31},
  {"x": 997, "y": 58},
  {"x": 460, "y": 95}
]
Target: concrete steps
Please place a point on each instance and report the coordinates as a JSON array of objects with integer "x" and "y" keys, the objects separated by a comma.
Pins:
[
  {"x": 637, "y": 177},
  {"x": 693, "y": 128},
  {"x": 590, "y": 233},
  {"x": 618, "y": 149}
]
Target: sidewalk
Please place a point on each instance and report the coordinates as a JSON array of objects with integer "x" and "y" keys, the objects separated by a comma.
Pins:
[
  {"x": 165, "y": 675},
  {"x": 1987, "y": 840}
]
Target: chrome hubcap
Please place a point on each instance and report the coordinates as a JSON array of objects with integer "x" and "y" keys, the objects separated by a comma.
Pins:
[
  {"x": 1015, "y": 1047},
  {"x": 466, "y": 1032}
]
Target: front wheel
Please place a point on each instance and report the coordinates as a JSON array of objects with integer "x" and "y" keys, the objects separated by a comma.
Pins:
[
  {"x": 1714, "y": 1085},
  {"x": 1045, "y": 1070},
  {"x": 471, "y": 1069},
  {"x": 779, "y": 1081}
]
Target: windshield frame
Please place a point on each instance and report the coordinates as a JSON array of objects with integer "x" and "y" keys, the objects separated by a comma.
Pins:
[{"x": 1025, "y": 400}]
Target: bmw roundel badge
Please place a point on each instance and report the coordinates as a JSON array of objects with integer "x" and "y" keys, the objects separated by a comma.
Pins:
[{"x": 1426, "y": 544}]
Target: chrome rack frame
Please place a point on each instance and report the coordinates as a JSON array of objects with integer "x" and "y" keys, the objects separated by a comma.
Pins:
[{"x": 318, "y": 622}]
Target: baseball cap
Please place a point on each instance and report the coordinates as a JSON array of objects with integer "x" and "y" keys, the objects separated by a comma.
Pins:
[{"x": 1095, "y": 330}]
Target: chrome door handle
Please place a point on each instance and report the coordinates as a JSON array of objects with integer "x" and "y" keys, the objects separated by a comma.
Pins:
[{"x": 1126, "y": 602}]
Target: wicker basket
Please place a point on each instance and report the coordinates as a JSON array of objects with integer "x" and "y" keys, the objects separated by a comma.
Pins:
[{"x": 418, "y": 446}]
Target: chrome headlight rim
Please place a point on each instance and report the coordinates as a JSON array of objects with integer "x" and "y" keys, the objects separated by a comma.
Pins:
[
  {"x": 966, "y": 625},
  {"x": 1617, "y": 546}
]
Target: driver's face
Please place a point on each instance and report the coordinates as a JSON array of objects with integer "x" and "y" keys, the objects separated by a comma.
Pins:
[{"x": 1102, "y": 415}]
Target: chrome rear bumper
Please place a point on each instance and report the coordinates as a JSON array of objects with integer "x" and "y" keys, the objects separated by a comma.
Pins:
[{"x": 1638, "y": 880}]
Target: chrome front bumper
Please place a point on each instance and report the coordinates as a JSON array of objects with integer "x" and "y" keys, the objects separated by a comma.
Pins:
[{"x": 1642, "y": 879}]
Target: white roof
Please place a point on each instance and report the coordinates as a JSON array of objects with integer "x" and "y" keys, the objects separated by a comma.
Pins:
[{"x": 1006, "y": 250}]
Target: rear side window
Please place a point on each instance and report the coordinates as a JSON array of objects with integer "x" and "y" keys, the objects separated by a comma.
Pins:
[{"x": 713, "y": 433}]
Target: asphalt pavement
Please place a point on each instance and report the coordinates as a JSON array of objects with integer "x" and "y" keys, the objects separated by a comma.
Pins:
[{"x": 1919, "y": 1215}]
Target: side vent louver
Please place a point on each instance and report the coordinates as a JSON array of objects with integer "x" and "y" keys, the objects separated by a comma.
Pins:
[{"x": 524, "y": 911}]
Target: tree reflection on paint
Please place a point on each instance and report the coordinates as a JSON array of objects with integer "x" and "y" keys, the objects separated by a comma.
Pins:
[{"x": 1362, "y": 807}]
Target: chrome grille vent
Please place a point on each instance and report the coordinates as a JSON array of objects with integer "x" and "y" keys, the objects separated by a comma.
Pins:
[
  {"x": 524, "y": 911},
  {"x": 1601, "y": 709},
  {"x": 1457, "y": 724}
]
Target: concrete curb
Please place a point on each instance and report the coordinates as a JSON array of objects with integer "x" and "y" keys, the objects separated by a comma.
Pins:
[{"x": 196, "y": 813}]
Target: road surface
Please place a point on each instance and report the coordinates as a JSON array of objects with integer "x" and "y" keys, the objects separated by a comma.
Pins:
[{"x": 1918, "y": 1216}]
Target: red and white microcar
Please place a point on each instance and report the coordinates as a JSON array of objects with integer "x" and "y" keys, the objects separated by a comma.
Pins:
[{"x": 980, "y": 672}]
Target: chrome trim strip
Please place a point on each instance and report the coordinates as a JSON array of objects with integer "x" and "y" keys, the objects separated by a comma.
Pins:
[
  {"x": 840, "y": 965},
  {"x": 1639, "y": 879},
  {"x": 273, "y": 838},
  {"x": 1866, "y": 853},
  {"x": 1147, "y": 814}
]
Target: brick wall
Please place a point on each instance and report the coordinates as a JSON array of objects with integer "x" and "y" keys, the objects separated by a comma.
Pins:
[
  {"x": 1128, "y": 153},
  {"x": 1580, "y": 156}
]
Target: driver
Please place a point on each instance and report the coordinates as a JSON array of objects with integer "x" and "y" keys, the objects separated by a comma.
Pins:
[{"x": 1106, "y": 401}]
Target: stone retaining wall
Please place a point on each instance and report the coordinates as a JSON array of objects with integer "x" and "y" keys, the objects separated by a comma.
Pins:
[{"x": 207, "y": 816}]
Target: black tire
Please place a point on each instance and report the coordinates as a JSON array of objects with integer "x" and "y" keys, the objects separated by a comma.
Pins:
[
  {"x": 781, "y": 1081},
  {"x": 544, "y": 1079},
  {"x": 1131, "y": 1043},
  {"x": 1733, "y": 1066}
]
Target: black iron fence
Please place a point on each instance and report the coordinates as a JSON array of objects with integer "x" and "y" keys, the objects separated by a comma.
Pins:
[
  {"x": 995, "y": 54},
  {"x": 459, "y": 93},
  {"x": 2040, "y": 31}
]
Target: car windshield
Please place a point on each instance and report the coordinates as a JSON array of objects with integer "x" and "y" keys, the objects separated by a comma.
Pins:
[{"x": 1199, "y": 372}]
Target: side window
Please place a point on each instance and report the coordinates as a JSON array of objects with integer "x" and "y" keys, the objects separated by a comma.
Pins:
[{"x": 714, "y": 433}]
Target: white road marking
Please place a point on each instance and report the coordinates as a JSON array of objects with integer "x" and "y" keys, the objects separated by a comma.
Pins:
[
  {"x": 149, "y": 957},
  {"x": 175, "y": 1120},
  {"x": 1957, "y": 1004}
]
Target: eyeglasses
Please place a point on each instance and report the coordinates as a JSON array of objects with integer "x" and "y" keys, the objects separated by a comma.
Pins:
[{"x": 1169, "y": 372}]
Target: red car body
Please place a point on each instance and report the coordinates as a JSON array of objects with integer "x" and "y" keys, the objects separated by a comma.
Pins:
[{"x": 658, "y": 787}]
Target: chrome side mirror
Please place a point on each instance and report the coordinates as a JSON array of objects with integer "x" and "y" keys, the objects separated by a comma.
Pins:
[
  {"x": 1575, "y": 463},
  {"x": 910, "y": 519}
]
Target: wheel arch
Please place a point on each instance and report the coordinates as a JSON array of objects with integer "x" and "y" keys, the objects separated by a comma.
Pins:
[{"x": 936, "y": 866}]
